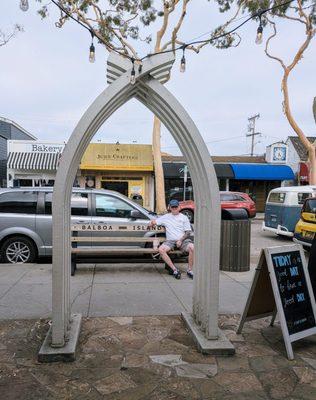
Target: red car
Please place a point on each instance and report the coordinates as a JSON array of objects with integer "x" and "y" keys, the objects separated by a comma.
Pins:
[{"x": 228, "y": 200}]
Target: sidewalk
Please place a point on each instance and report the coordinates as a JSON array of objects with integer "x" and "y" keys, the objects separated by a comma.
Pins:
[
  {"x": 154, "y": 358},
  {"x": 111, "y": 290}
]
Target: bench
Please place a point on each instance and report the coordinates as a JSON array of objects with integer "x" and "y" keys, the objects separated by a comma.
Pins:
[{"x": 155, "y": 240}]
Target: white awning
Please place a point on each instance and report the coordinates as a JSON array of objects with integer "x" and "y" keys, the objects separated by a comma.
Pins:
[{"x": 34, "y": 161}]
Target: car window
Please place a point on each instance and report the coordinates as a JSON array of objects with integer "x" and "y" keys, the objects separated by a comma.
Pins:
[
  {"x": 79, "y": 203},
  {"x": 301, "y": 197},
  {"x": 226, "y": 197},
  {"x": 108, "y": 206},
  {"x": 21, "y": 202},
  {"x": 310, "y": 206},
  {"x": 276, "y": 197}
]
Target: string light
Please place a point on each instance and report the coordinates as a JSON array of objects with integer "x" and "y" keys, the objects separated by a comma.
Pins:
[
  {"x": 24, "y": 5},
  {"x": 133, "y": 73},
  {"x": 259, "y": 30},
  {"x": 92, "y": 50},
  {"x": 182, "y": 64}
]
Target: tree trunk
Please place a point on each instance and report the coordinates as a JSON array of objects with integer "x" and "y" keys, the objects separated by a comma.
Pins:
[
  {"x": 310, "y": 148},
  {"x": 159, "y": 176}
]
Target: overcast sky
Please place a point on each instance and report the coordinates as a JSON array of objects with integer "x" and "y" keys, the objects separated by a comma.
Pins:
[{"x": 47, "y": 83}]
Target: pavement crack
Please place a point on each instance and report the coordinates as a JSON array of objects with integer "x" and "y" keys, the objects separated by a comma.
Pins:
[
  {"x": 92, "y": 283},
  {"x": 14, "y": 284}
]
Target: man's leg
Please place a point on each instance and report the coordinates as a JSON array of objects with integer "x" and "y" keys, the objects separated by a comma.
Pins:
[
  {"x": 163, "y": 250},
  {"x": 190, "y": 250}
]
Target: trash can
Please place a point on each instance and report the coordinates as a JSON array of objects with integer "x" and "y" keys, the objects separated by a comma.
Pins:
[{"x": 235, "y": 240}]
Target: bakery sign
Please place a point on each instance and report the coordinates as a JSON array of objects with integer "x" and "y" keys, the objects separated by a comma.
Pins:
[{"x": 30, "y": 146}]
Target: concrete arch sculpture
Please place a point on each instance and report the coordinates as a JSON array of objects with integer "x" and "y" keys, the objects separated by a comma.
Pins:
[{"x": 149, "y": 90}]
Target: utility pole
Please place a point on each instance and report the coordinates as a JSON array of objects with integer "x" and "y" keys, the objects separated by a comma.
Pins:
[{"x": 252, "y": 130}]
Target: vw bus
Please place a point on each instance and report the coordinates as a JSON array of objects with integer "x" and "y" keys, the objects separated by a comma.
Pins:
[{"x": 283, "y": 208}]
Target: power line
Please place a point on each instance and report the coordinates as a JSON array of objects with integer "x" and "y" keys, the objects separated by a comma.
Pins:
[{"x": 93, "y": 34}]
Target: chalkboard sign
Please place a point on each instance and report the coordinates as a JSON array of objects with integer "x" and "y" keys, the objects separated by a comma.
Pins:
[
  {"x": 293, "y": 290},
  {"x": 281, "y": 285}
]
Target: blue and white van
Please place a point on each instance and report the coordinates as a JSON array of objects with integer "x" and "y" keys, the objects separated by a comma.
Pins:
[{"x": 283, "y": 208}]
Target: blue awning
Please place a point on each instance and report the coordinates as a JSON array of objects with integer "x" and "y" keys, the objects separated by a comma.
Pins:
[{"x": 263, "y": 172}]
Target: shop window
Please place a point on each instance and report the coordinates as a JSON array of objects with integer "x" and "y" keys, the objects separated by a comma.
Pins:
[
  {"x": 79, "y": 203},
  {"x": 108, "y": 206},
  {"x": 21, "y": 202}
]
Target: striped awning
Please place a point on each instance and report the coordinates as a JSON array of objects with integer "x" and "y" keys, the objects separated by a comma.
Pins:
[{"x": 35, "y": 161}]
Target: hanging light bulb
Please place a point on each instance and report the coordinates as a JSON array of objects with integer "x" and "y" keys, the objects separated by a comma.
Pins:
[
  {"x": 259, "y": 31},
  {"x": 24, "y": 5},
  {"x": 182, "y": 64},
  {"x": 259, "y": 34},
  {"x": 133, "y": 74},
  {"x": 92, "y": 50}
]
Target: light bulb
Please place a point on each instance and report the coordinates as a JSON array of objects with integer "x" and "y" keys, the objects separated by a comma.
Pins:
[
  {"x": 24, "y": 5},
  {"x": 133, "y": 77},
  {"x": 182, "y": 65},
  {"x": 92, "y": 53},
  {"x": 259, "y": 34}
]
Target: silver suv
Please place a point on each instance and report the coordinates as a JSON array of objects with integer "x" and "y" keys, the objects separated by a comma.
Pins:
[{"x": 26, "y": 219}]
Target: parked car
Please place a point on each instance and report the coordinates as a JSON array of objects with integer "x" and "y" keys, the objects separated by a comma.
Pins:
[
  {"x": 26, "y": 219},
  {"x": 283, "y": 208},
  {"x": 229, "y": 200},
  {"x": 305, "y": 229}
]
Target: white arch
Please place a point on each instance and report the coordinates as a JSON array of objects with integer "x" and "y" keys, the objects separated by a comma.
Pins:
[{"x": 164, "y": 105}]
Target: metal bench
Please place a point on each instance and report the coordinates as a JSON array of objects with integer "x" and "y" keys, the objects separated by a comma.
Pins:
[{"x": 107, "y": 250}]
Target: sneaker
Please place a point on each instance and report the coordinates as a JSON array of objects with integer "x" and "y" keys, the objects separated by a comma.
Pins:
[
  {"x": 169, "y": 269},
  {"x": 190, "y": 273},
  {"x": 177, "y": 274}
]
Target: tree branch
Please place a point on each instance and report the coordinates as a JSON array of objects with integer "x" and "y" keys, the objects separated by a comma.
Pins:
[{"x": 266, "y": 50}]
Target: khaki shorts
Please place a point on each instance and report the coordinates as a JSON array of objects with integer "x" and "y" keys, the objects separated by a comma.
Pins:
[{"x": 172, "y": 244}]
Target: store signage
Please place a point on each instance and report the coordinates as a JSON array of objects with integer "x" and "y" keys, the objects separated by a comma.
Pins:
[
  {"x": 31, "y": 146},
  {"x": 282, "y": 285},
  {"x": 303, "y": 172},
  {"x": 105, "y": 156}
]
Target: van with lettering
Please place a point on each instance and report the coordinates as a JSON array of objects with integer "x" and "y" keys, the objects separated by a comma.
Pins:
[
  {"x": 306, "y": 227},
  {"x": 26, "y": 220},
  {"x": 283, "y": 208}
]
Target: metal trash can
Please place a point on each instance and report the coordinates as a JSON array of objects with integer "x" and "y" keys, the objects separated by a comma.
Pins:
[{"x": 235, "y": 240}]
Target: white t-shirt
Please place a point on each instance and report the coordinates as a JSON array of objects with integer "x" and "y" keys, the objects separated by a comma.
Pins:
[{"x": 176, "y": 225}]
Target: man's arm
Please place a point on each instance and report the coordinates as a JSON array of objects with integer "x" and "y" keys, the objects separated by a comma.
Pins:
[{"x": 185, "y": 236}]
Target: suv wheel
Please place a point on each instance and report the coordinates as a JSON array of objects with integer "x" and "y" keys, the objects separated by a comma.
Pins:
[
  {"x": 189, "y": 214},
  {"x": 18, "y": 250}
]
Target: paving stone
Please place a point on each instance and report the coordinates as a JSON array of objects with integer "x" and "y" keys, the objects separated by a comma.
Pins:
[
  {"x": 134, "y": 360},
  {"x": 236, "y": 363},
  {"x": 141, "y": 392},
  {"x": 266, "y": 363},
  {"x": 233, "y": 337},
  {"x": 197, "y": 370},
  {"x": 239, "y": 382},
  {"x": 210, "y": 389},
  {"x": 122, "y": 320},
  {"x": 305, "y": 375},
  {"x": 310, "y": 361},
  {"x": 304, "y": 392},
  {"x": 253, "y": 350},
  {"x": 155, "y": 333},
  {"x": 182, "y": 387},
  {"x": 279, "y": 384},
  {"x": 169, "y": 360},
  {"x": 114, "y": 383},
  {"x": 193, "y": 356}
]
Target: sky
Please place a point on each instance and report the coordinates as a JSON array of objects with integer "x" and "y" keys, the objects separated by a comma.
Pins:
[{"x": 47, "y": 83}]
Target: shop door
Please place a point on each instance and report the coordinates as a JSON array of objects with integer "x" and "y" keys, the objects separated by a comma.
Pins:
[{"x": 121, "y": 187}]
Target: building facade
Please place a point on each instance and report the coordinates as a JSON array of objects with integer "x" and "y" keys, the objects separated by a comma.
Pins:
[
  {"x": 126, "y": 168},
  {"x": 9, "y": 130},
  {"x": 32, "y": 163},
  {"x": 298, "y": 159}
]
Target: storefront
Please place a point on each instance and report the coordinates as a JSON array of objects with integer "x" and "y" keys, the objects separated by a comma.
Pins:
[
  {"x": 126, "y": 168},
  {"x": 32, "y": 163}
]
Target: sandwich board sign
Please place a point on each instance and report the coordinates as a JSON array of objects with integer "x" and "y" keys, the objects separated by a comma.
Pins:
[{"x": 281, "y": 285}]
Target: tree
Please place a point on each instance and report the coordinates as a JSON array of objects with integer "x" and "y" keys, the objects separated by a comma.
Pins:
[
  {"x": 120, "y": 25},
  {"x": 5, "y": 38},
  {"x": 303, "y": 13}
]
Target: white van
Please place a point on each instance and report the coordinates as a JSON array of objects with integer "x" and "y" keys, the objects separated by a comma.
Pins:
[{"x": 283, "y": 208}]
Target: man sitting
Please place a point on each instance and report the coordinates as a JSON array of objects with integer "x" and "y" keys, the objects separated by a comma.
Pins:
[{"x": 178, "y": 231}]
